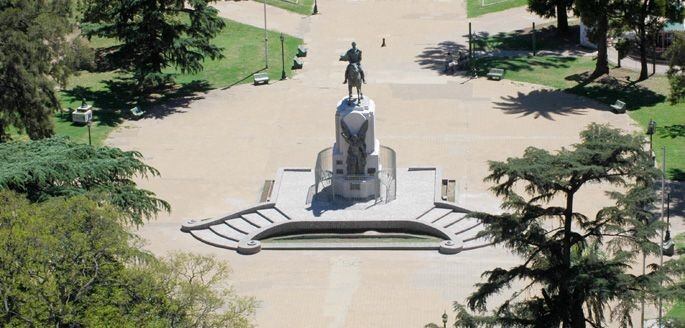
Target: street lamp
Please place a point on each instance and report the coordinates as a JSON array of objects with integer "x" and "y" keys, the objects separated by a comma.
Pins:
[
  {"x": 316, "y": 8},
  {"x": 651, "y": 128},
  {"x": 444, "y": 319},
  {"x": 90, "y": 141},
  {"x": 282, "y": 58},
  {"x": 266, "y": 40}
]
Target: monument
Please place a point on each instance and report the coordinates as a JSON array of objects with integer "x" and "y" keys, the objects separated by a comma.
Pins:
[{"x": 355, "y": 192}]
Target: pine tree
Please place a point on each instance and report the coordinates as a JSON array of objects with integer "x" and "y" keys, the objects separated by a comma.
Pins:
[
  {"x": 56, "y": 167},
  {"x": 553, "y": 8},
  {"x": 156, "y": 34},
  {"x": 676, "y": 71},
  {"x": 34, "y": 58},
  {"x": 574, "y": 265}
]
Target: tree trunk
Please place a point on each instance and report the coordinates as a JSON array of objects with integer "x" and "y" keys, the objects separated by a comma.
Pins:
[
  {"x": 562, "y": 18},
  {"x": 564, "y": 292},
  {"x": 644, "y": 70},
  {"x": 602, "y": 66}
]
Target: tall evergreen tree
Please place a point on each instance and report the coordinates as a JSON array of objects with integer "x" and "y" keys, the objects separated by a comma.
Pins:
[
  {"x": 156, "y": 34},
  {"x": 676, "y": 72},
  {"x": 553, "y": 8},
  {"x": 574, "y": 265},
  {"x": 646, "y": 18},
  {"x": 597, "y": 15},
  {"x": 34, "y": 57},
  {"x": 56, "y": 167}
]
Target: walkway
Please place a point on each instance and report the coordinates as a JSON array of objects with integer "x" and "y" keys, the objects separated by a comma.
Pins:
[
  {"x": 632, "y": 64},
  {"x": 215, "y": 154}
]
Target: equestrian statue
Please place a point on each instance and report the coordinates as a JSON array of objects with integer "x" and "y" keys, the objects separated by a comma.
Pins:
[{"x": 354, "y": 73}]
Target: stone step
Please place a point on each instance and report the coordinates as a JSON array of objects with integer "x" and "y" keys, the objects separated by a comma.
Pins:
[
  {"x": 434, "y": 215},
  {"x": 209, "y": 237},
  {"x": 227, "y": 232},
  {"x": 273, "y": 215},
  {"x": 257, "y": 220},
  {"x": 470, "y": 234},
  {"x": 449, "y": 220},
  {"x": 463, "y": 225},
  {"x": 241, "y": 225}
]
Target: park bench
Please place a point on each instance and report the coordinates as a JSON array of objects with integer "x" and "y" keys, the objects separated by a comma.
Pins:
[
  {"x": 495, "y": 74},
  {"x": 261, "y": 78},
  {"x": 619, "y": 107},
  {"x": 137, "y": 112},
  {"x": 297, "y": 63},
  {"x": 301, "y": 51}
]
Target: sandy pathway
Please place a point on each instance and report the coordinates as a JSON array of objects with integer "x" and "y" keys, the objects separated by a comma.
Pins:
[{"x": 215, "y": 154}]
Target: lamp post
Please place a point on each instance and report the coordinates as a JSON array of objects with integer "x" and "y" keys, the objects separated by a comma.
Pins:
[
  {"x": 90, "y": 141},
  {"x": 316, "y": 8},
  {"x": 266, "y": 40},
  {"x": 651, "y": 128},
  {"x": 282, "y": 58},
  {"x": 444, "y": 319}
]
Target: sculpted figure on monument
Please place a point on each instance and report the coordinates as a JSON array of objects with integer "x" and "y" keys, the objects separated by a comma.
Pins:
[
  {"x": 354, "y": 73},
  {"x": 356, "y": 152}
]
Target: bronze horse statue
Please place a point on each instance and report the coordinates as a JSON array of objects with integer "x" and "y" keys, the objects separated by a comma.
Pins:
[{"x": 354, "y": 79}]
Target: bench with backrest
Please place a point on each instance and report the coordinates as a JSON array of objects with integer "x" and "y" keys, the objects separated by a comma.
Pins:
[
  {"x": 619, "y": 107},
  {"x": 136, "y": 112},
  {"x": 297, "y": 63},
  {"x": 496, "y": 74},
  {"x": 301, "y": 51},
  {"x": 261, "y": 78}
]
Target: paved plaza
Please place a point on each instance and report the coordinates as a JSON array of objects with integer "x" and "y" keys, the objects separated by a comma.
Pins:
[{"x": 215, "y": 154}]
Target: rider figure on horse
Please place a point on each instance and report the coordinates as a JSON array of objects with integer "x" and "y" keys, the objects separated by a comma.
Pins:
[{"x": 354, "y": 56}]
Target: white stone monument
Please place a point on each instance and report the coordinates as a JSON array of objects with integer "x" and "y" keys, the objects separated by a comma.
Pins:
[{"x": 356, "y": 178}]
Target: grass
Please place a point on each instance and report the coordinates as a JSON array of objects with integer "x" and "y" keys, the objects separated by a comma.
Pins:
[
  {"x": 474, "y": 8},
  {"x": 677, "y": 312},
  {"x": 112, "y": 91},
  {"x": 546, "y": 38},
  {"x": 645, "y": 100},
  {"x": 303, "y": 7}
]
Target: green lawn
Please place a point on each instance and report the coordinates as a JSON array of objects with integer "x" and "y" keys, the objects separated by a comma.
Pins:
[
  {"x": 303, "y": 7},
  {"x": 546, "y": 38},
  {"x": 112, "y": 92},
  {"x": 645, "y": 100},
  {"x": 677, "y": 312},
  {"x": 475, "y": 8}
]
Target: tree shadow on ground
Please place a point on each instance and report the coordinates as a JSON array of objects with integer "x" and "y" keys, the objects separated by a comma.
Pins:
[
  {"x": 483, "y": 65},
  {"x": 677, "y": 193},
  {"x": 672, "y": 131},
  {"x": 608, "y": 89},
  {"x": 541, "y": 103},
  {"x": 119, "y": 95},
  {"x": 546, "y": 38},
  {"x": 434, "y": 57}
]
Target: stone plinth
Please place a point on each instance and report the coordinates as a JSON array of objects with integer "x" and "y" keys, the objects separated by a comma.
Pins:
[{"x": 352, "y": 185}]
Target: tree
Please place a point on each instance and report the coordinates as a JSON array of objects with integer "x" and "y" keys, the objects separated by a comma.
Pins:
[
  {"x": 553, "y": 8},
  {"x": 596, "y": 14},
  {"x": 35, "y": 56},
  {"x": 646, "y": 18},
  {"x": 575, "y": 265},
  {"x": 58, "y": 167},
  {"x": 156, "y": 34},
  {"x": 68, "y": 262},
  {"x": 676, "y": 72}
]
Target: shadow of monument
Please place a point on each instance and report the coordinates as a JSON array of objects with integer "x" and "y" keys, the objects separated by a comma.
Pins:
[
  {"x": 542, "y": 103},
  {"x": 325, "y": 201},
  {"x": 434, "y": 57}
]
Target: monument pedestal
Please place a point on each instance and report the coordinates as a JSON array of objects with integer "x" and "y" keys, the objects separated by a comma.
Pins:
[{"x": 351, "y": 180}]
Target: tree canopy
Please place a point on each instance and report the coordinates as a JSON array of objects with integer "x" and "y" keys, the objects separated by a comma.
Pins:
[
  {"x": 35, "y": 56},
  {"x": 574, "y": 265},
  {"x": 156, "y": 34},
  {"x": 69, "y": 262},
  {"x": 676, "y": 72},
  {"x": 56, "y": 167}
]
